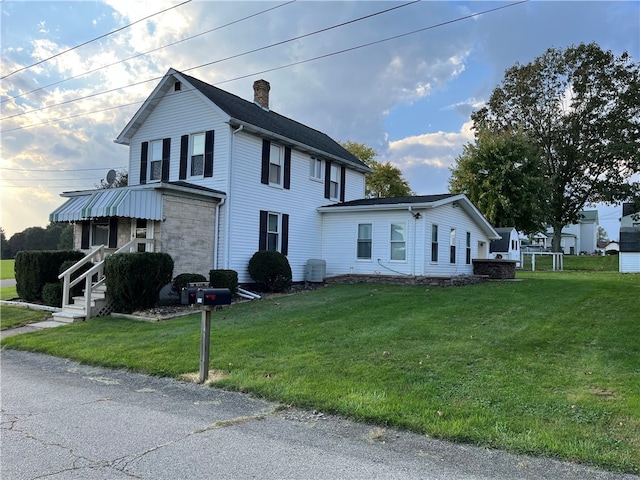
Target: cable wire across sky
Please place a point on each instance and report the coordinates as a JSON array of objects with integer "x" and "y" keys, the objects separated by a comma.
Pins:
[{"x": 327, "y": 55}]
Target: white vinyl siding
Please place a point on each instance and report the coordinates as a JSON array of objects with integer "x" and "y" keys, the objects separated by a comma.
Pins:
[{"x": 180, "y": 114}]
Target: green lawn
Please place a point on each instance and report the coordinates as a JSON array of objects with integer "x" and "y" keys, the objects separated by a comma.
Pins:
[
  {"x": 546, "y": 366},
  {"x": 11, "y": 317},
  {"x": 6, "y": 269},
  {"x": 590, "y": 263}
]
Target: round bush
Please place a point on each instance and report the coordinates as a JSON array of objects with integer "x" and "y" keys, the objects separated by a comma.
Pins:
[
  {"x": 52, "y": 294},
  {"x": 270, "y": 269}
]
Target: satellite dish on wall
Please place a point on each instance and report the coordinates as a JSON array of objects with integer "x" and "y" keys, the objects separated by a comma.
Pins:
[{"x": 111, "y": 176}]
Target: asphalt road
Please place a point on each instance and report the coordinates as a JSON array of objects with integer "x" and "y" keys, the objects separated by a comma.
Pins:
[{"x": 62, "y": 420}]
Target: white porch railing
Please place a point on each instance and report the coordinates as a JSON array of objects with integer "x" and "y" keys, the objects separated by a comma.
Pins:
[{"x": 97, "y": 257}]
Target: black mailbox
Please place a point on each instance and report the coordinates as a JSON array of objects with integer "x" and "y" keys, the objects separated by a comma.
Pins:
[
  {"x": 188, "y": 295},
  {"x": 213, "y": 296}
]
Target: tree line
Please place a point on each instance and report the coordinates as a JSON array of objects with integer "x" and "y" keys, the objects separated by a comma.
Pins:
[{"x": 56, "y": 236}]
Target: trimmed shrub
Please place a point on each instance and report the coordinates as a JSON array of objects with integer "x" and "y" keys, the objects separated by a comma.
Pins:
[
  {"x": 224, "y": 279},
  {"x": 134, "y": 280},
  {"x": 52, "y": 294},
  {"x": 183, "y": 279},
  {"x": 34, "y": 269},
  {"x": 270, "y": 269}
]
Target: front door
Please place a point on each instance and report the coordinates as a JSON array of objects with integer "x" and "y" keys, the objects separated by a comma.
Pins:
[
  {"x": 482, "y": 250},
  {"x": 142, "y": 228}
]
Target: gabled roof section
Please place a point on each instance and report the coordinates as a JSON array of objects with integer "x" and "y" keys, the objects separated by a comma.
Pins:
[
  {"x": 253, "y": 117},
  {"x": 413, "y": 204}
]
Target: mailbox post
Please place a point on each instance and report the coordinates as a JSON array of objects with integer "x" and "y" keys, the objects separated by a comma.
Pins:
[{"x": 208, "y": 299}]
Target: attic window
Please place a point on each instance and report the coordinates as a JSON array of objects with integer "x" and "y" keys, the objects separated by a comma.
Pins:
[{"x": 177, "y": 87}]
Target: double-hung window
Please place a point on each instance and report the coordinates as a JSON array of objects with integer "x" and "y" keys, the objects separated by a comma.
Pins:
[
  {"x": 315, "y": 169},
  {"x": 398, "y": 241},
  {"x": 273, "y": 232},
  {"x": 197, "y": 155},
  {"x": 275, "y": 165},
  {"x": 468, "y": 256},
  {"x": 334, "y": 182},
  {"x": 452, "y": 244},
  {"x": 155, "y": 161},
  {"x": 434, "y": 243},
  {"x": 364, "y": 241}
]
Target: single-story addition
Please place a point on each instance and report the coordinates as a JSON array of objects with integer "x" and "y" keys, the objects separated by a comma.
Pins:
[
  {"x": 431, "y": 235},
  {"x": 507, "y": 246},
  {"x": 629, "y": 258}
]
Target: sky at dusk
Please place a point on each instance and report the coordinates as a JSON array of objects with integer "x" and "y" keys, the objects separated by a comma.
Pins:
[{"x": 401, "y": 77}]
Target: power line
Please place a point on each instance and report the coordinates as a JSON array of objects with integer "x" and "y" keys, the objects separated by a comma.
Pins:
[
  {"x": 94, "y": 39},
  {"x": 218, "y": 61},
  {"x": 148, "y": 52},
  {"x": 54, "y": 170},
  {"x": 346, "y": 50}
]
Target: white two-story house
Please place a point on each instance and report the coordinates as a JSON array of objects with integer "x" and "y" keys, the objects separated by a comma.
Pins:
[{"x": 213, "y": 178}]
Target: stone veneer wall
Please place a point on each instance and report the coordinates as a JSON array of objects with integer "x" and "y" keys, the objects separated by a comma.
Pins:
[
  {"x": 456, "y": 281},
  {"x": 188, "y": 234},
  {"x": 495, "y": 269}
]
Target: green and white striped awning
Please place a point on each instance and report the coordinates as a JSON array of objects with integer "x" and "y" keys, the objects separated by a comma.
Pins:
[{"x": 114, "y": 202}]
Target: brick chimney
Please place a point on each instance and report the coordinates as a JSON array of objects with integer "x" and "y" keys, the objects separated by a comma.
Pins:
[{"x": 261, "y": 93}]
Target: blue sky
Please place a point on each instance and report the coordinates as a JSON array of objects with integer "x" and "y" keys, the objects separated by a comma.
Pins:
[{"x": 409, "y": 98}]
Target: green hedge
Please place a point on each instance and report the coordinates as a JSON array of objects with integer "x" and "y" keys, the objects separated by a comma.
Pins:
[
  {"x": 34, "y": 269},
  {"x": 134, "y": 280},
  {"x": 52, "y": 294},
  {"x": 271, "y": 270},
  {"x": 224, "y": 279}
]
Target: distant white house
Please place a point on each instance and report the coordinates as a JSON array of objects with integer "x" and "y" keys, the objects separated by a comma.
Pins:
[
  {"x": 507, "y": 246},
  {"x": 580, "y": 237},
  {"x": 629, "y": 258}
]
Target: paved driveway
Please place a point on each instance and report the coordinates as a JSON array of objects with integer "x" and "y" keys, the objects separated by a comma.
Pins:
[{"x": 62, "y": 420}]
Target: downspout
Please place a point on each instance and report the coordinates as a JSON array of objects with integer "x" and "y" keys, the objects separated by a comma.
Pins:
[
  {"x": 413, "y": 248},
  {"x": 216, "y": 229},
  {"x": 228, "y": 219}
]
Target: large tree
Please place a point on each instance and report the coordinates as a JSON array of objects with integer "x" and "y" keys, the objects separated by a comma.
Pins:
[
  {"x": 502, "y": 174},
  {"x": 386, "y": 180},
  {"x": 581, "y": 106}
]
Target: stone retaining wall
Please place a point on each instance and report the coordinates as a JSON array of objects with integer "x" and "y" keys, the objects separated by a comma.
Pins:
[{"x": 495, "y": 269}]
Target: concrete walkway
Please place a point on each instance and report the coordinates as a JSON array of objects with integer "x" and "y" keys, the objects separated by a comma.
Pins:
[{"x": 9, "y": 282}]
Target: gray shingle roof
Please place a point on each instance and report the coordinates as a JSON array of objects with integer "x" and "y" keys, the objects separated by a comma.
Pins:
[
  {"x": 251, "y": 113},
  {"x": 395, "y": 200}
]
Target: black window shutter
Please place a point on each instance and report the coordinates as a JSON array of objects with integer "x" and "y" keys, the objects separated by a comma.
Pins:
[
  {"x": 343, "y": 177},
  {"x": 262, "y": 242},
  {"x": 113, "y": 232},
  {"x": 327, "y": 179},
  {"x": 266, "y": 147},
  {"x": 143, "y": 162},
  {"x": 287, "y": 168},
  {"x": 184, "y": 153},
  {"x": 285, "y": 234},
  {"x": 208, "y": 153},
  {"x": 166, "y": 153},
  {"x": 84, "y": 237}
]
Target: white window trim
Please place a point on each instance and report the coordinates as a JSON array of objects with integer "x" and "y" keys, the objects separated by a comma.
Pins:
[
  {"x": 279, "y": 163},
  {"x": 278, "y": 232},
  {"x": 391, "y": 242},
  {"x": 315, "y": 169},
  {"x": 436, "y": 242},
  {"x": 364, "y": 259},
  {"x": 151, "y": 160},
  {"x": 191, "y": 154},
  {"x": 334, "y": 168},
  {"x": 92, "y": 225}
]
